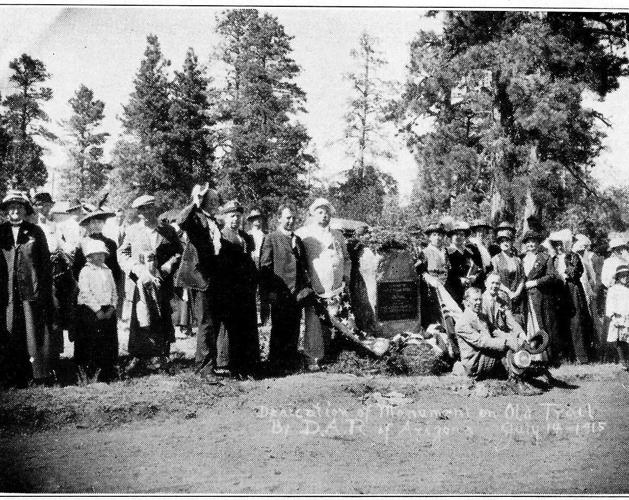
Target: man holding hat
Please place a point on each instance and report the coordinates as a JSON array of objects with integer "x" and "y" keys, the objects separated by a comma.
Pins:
[
  {"x": 199, "y": 271},
  {"x": 329, "y": 268},
  {"x": 238, "y": 282},
  {"x": 26, "y": 293},
  {"x": 485, "y": 348},
  {"x": 149, "y": 255}
]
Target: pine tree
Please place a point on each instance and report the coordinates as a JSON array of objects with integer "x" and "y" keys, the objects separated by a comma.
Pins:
[
  {"x": 504, "y": 91},
  {"x": 362, "y": 193},
  {"x": 192, "y": 115},
  {"x": 142, "y": 160},
  {"x": 265, "y": 159},
  {"x": 25, "y": 120},
  {"x": 86, "y": 174}
]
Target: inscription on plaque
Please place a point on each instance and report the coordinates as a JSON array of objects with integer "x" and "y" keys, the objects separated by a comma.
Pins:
[{"x": 396, "y": 300}]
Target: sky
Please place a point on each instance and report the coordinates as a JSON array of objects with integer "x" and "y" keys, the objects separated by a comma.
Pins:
[{"x": 102, "y": 47}]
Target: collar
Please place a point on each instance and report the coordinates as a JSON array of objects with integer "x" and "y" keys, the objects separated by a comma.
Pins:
[{"x": 285, "y": 233}]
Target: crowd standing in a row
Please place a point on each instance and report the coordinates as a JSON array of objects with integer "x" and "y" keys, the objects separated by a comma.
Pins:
[{"x": 67, "y": 275}]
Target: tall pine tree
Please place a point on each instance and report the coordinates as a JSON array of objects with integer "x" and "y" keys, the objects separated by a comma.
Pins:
[
  {"x": 192, "y": 115},
  {"x": 362, "y": 193},
  {"x": 25, "y": 119},
  {"x": 265, "y": 159},
  {"x": 142, "y": 160},
  {"x": 86, "y": 174}
]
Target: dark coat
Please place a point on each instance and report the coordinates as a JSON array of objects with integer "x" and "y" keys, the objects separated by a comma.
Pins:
[
  {"x": 283, "y": 270},
  {"x": 198, "y": 266},
  {"x": 27, "y": 292},
  {"x": 462, "y": 265},
  {"x": 237, "y": 283},
  {"x": 539, "y": 299},
  {"x": 581, "y": 327}
]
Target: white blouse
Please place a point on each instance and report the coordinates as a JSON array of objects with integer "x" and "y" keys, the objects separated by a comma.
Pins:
[{"x": 96, "y": 287}]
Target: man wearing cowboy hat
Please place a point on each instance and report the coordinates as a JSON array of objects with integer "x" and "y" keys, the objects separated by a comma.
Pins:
[
  {"x": 149, "y": 256},
  {"x": 238, "y": 282},
  {"x": 199, "y": 272},
  {"x": 329, "y": 267},
  {"x": 26, "y": 293}
]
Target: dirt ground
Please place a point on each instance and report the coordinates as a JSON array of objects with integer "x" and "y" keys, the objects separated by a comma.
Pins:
[{"x": 321, "y": 433}]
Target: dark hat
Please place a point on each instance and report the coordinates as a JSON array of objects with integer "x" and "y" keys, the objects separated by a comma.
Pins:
[
  {"x": 459, "y": 226},
  {"x": 254, "y": 214},
  {"x": 15, "y": 196},
  {"x": 435, "y": 227},
  {"x": 480, "y": 223},
  {"x": 232, "y": 206},
  {"x": 42, "y": 197},
  {"x": 531, "y": 235},
  {"x": 414, "y": 229},
  {"x": 96, "y": 214}
]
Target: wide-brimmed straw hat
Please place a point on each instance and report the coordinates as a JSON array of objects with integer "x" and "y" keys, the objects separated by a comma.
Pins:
[
  {"x": 146, "y": 200},
  {"x": 231, "y": 207}
]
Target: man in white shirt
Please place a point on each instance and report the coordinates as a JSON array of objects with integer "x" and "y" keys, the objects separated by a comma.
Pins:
[{"x": 329, "y": 267}]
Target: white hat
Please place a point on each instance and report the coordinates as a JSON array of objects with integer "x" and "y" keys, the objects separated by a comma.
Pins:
[
  {"x": 321, "y": 202},
  {"x": 617, "y": 242},
  {"x": 92, "y": 246},
  {"x": 583, "y": 238},
  {"x": 143, "y": 201}
]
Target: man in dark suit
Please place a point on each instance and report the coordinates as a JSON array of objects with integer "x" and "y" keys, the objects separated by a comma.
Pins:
[
  {"x": 238, "y": 284},
  {"x": 284, "y": 278},
  {"x": 199, "y": 272},
  {"x": 26, "y": 293}
]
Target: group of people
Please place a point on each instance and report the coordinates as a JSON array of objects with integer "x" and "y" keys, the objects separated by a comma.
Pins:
[
  {"x": 68, "y": 276},
  {"x": 554, "y": 284}
]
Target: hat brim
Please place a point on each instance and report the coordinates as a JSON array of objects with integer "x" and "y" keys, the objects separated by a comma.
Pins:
[
  {"x": 256, "y": 216},
  {"x": 467, "y": 232},
  {"x": 29, "y": 208},
  {"x": 486, "y": 226},
  {"x": 100, "y": 215}
]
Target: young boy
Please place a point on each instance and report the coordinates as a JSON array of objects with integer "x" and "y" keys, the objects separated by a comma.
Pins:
[
  {"x": 617, "y": 311},
  {"x": 96, "y": 342}
]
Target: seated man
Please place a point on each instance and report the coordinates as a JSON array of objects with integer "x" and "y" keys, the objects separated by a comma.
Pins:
[
  {"x": 483, "y": 349},
  {"x": 496, "y": 308}
]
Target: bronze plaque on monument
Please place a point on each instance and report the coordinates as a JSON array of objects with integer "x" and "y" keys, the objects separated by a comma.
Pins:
[{"x": 396, "y": 300}]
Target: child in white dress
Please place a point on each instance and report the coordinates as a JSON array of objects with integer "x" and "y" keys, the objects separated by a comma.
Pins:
[{"x": 617, "y": 310}]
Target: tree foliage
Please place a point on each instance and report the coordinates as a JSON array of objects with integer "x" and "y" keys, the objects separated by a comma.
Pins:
[
  {"x": 503, "y": 92},
  {"x": 86, "y": 174},
  {"x": 265, "y": 158},
  {"x": 362, "y": 194},
  {"x": 24, "y": 121}
]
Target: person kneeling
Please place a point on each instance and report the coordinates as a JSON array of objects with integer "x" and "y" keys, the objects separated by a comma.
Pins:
[
  {"x": 485, "y": 350},
  {"x": 96, "y": 343}
]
